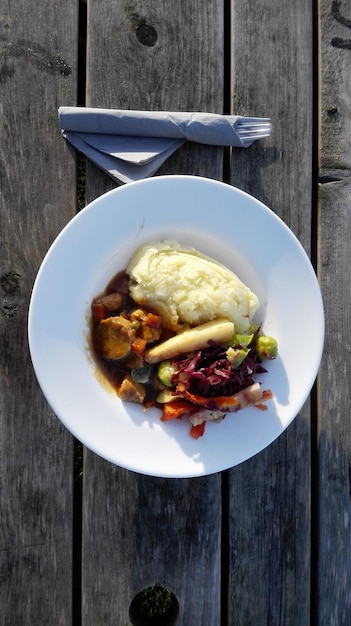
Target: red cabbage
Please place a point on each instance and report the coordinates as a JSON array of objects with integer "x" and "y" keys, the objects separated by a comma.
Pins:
[{"x": 209, "y": 372}]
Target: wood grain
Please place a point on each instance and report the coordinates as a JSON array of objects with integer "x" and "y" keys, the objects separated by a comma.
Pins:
[
  {"x": 182, "y": 71},
  {"x": 269, "y": 541},
  {"x": 141, "y": 531},
  {"x": 274, "y": 78},
  {"x": 37, "y": 197},
  {"x": 334, "y": 441},
  {"x": 333, "y": 595},
  {"x": 270, "y": 505}
]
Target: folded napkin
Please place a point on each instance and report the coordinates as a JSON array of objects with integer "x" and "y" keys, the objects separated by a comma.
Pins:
[{"x": 131, "y": 145}]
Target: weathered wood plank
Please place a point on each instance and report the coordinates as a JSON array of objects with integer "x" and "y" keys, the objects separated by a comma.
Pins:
[
  {"x": 274, "y": 79},
  {"x": 334, "y": 439},
  {"x": 140, "y": 532},
  {"x": 335, "y": 24},
  {"x": 155, "y": 531},
  {"x": 334, "y": 436},
  {"x": 270, "y": 494},
  {"x": 125, "y": 73},
  {"x": 37, "y": 197}
]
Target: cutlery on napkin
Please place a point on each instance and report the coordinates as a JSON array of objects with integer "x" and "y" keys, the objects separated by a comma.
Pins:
[{"x": 131, "y": 145}]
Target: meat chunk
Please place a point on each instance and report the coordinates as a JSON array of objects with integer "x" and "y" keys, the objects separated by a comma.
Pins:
[
  {"x": 114, "y": 337},
  {"x": 131, "y": 391},
  {"x": 112, "y": 301},
  {"x": 105, "y": 306}
]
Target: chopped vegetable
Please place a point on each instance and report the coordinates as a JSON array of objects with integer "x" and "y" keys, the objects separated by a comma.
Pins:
[
  {"x": 251, "y": 396},
  {"x": 166, "y": 395},
  {"x": 154, "y": 321},
  {"x": 242, "y": 341},
  {"x": 266, "y": 347},
  {"x": 235, "y": 356},
  {"x": 197, "y": 431},
  {"x": 172, "y": 410},
  {"x": 245, "y": 397},
  {"x": 138, "y": 345},
  {"x": 192, "y": 339},
  {"x": 165, "y": 371},
  {"x": 205, "y": 415}
]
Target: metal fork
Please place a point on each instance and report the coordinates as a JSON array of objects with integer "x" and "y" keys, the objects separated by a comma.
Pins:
[{"x": 252, "y": 128}]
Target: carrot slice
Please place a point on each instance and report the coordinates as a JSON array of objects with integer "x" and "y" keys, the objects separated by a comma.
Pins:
[
  {"x": 153, "y": 320},
  {"x": 197, "y": 431},
  {"x": 267, "y": 394},
  {"x": 228, "y": 403},
  {"x": 138, "y": 345},
  {"x": 193, "y": 397},
  {"x": 217, "y": 402},
  {"x": 176, "y": 408}
]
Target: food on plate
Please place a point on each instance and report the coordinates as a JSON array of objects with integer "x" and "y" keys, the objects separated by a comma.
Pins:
[
  {"x": 114, "y": 337},
  {"x": 175, "y": 330},
  {"x": 266, "y": 347},
  {"x": 183, "y": 285},
  {"x": 191, "y": 339}
]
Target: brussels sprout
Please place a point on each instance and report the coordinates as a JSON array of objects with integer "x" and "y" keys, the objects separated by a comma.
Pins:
[
  {"x": 266, "y": 347},
  {"x": 166, "y": 395},
  {"x": 165, "y": 372},
  {"x": 236, "y": 357},
  {"x": 241, "y": 340}
]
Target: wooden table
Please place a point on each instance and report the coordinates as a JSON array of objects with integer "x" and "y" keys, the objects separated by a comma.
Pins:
[{"x": 268, "y": 542}]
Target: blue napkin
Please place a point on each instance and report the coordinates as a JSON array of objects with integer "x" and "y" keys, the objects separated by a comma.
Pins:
[{"x": 131, "y": 145}]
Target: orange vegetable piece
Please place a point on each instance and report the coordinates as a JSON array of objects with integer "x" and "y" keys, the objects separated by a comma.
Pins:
[
  {"x": 194, "y": 398},
  {"x": 225, "y": 402},
  {"x": 176, "y": 408},
  {"x": 267, "y": 394},
  {"x": 153, "y": 320},
  {"x": 138, "y": 345},
  {"x": 197, "y": 431}
]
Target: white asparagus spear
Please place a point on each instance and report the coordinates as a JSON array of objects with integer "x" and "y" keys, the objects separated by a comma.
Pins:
[{"x": 221, "y": 331}]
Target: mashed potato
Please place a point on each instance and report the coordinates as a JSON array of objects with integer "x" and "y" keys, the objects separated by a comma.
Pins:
[{"x": 185, "y": 286}]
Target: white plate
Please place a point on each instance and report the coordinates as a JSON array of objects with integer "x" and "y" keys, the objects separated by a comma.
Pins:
[{"x": 222, "y": 222}]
